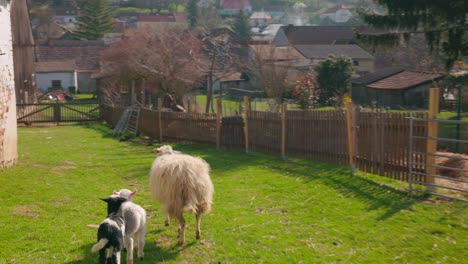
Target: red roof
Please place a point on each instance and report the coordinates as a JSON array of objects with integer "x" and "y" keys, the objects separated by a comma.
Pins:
[
  {"x": 405, "y": 79},
  {"x": 86, "y": 54},
  {"x": 235, "y": 4},
  {"x": 157, "y": 18}
]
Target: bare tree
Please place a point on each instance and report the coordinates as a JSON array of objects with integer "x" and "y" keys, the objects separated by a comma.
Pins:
[
  {"x": 170, "y": 61},
  {"x": 221, "y": 62},
  {"x": 271, "y": 69}
]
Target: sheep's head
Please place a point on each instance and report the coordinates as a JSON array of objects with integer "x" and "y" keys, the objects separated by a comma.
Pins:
[
  {"x": 125, "y": 193},
  {"x": 113, "y": 203},
  {"x": 166, "y": 149}
]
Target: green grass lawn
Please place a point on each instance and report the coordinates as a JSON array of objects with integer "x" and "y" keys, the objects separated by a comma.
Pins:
[{"x": 265, "y": 211}]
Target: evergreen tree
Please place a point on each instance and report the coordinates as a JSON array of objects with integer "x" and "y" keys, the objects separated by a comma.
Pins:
[
  {"x": 240, "y": 30},
  {"x": 442, "y": 21},
  {"x": 95, "y": 20},
  {"x": 334, "y": 78},
  {"x": 192, "y": 10}
]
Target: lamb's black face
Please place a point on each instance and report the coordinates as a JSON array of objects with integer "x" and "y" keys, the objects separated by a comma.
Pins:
[{"x": 113, "y": 203}]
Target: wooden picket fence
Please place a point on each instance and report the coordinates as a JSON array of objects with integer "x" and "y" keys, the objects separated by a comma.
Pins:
[{"x": 379, "y": 140}]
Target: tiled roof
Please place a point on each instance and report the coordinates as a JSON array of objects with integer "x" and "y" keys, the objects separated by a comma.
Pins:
[
  {"x": 86, "y": 54},
  {"x": 274, "y": 53},
  {"x": 405, "y": 79},
  {"x": 323, "y": 51},
  {"x": 307, "y": 35},
  {"x": 260, "y": 15},
  {"x": 235, "y": 4},
  {"x": 56, "y": 66},
  {"x": 157, "y": 18},
  {"x": 377, "y": 75}
]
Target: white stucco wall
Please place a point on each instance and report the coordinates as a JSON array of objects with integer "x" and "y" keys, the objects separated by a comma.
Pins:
[
  {"x": 8, "y": 130},
  {"x": 44, "y": 80}
]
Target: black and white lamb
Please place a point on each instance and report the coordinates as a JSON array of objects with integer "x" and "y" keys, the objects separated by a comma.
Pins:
[{"x": 111, "y": 232}]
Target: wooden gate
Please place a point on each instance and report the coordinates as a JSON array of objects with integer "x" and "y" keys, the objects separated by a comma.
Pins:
[{"x": 57, "y": 112}]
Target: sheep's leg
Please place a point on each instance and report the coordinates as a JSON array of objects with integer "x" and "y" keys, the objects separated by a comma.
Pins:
[
  {"x": 166, "y": 221},
  {"x": 198, "y": 233},
  {"x": 181, "y": 230},
  {"x": 140, "y": 242},
  {"x": 129, "y": 250}
]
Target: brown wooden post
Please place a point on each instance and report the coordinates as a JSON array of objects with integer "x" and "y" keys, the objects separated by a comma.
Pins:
[
  {"x": 218, "y": 123},
  {"x": 283, "y": 131},
  {"x": 160, "y": 102},
  {"x": 143, "y": 92},
  {"x": 432, "y": 133},
  {"x": 132, "y": 95},
  {"x": 246, "y": 123},
  {"x": 350, "y": 125}
]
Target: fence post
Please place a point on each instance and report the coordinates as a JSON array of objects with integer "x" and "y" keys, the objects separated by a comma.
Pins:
[
  {"x": 159, "y": 119},
  {"x": 351, "y": 125},
  {"x": 132, "y": 96},
  {"x": 246, "y": 123},
  {"x": 283, "y": 131},
  {"x": 218, "y": 123},
  {"x": 432, "y": 133}
]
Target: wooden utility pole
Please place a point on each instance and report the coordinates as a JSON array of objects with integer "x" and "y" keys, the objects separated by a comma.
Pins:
[
  {"x": 160, "y": 102},
  {"x": 351, "y": 125},
  {"x": 246, "y": 123},
  {"x": 283, "y": 131},
  {"x": 432, "y": 134},
  {"x": 218, "y": 122}
]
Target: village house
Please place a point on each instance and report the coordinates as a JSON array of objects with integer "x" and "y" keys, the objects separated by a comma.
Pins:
[
  {"x": 277, "y": 12},
  {"x": 233, "y": 7},
  {"x": 80, "y": 56},
  {"x": 395, "y": 88},
  {"x": 337, "y": 14},
  {"x": 177, "y": 20},
  {"x": 285, "y": 58},
  {"x": 260, "y": 19},
  {"x": 53, "y": 75},
  {"x": 362, "y": 60},
  {"x": 310, "y": 35}
]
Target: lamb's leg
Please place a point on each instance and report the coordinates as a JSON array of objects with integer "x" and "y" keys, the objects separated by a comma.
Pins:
[
  {"x": 102, "y": 256},
  {"x": 117, "y": 257},
  {"x": 140, "y": 241},
  {"x": 198, "y": 232},
  {"x": 181, "y": 230},
  {"x": 166, "y": 221},
  {"x": 129, "y": 249}
]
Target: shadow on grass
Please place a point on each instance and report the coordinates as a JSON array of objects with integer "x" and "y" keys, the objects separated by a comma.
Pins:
[
  {"x": 153, "y": 254},
  {"x": 378, "y": 196}
]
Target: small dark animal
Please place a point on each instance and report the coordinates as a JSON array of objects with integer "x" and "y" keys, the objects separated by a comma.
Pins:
[{"x": 111, "y": 232}]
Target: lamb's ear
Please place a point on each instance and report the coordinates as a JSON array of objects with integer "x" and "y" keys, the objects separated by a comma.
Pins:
[
  {"x": 106, "y": 199},
  {"x": 115, "y": 192},
  {"x": 156, "y": 150},
  {"x": 133, "y": 193}
]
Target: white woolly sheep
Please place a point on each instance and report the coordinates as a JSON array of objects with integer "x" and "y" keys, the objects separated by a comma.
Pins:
[{"x": 181, "y": 183}]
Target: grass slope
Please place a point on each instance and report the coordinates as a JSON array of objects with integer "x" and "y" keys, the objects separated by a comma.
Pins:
[{"x": 265, "y": 211}]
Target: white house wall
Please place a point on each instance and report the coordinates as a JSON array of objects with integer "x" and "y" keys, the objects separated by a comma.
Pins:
[
  {"x": 8, "y": 130},
  {"x": 44, "y": 80}
]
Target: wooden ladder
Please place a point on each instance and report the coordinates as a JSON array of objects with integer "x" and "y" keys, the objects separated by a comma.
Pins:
[{"x": 128, "y": 122}]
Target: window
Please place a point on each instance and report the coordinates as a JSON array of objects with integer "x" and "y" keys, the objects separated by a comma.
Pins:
[
  {"x": 356, "y": 63},
  {"x": 56, "y": 84}
]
